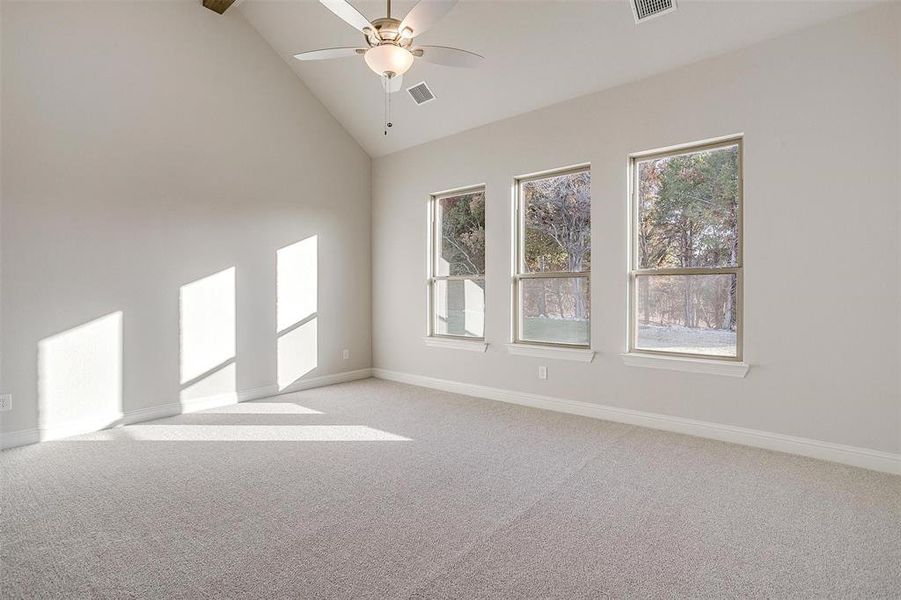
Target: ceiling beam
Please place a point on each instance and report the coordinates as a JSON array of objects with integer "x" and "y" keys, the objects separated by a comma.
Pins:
[{"x": 219, "y": 6}]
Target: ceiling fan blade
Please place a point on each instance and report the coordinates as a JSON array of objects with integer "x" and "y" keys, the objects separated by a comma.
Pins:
[
  {"x": 327, "y": 53},
  {"x": 348, "y": 14},
  {"x": 449, "y": 57},
  {"x": 394, "y": 84},
  {"x": 425, "y": 14}
]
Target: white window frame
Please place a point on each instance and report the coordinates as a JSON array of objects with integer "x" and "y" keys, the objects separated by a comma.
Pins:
[
  {"x": 434, "y": 278},
  {"x": 635, "y": 271},
  {"x": 519, "y": 271}
]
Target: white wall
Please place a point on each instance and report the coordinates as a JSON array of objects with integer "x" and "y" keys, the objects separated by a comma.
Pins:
[
  {"x": 148, "y": 145},
  {"x": 819, "y": 110}
]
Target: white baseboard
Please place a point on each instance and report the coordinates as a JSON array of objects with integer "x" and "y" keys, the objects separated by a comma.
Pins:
[
  {"x": 61, "y": 429},
  {"x": 850, "y": 455},
  {"x": 315, "y": 382},
  {"x": 22, "y": 437},
  {"x": 203, "y": 403},
  {"x": 54, "y": 431},
  {"x": 161, "y": 411}
]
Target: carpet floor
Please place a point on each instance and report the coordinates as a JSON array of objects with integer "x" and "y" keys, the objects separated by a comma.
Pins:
[{"x": 379, "y": 490}]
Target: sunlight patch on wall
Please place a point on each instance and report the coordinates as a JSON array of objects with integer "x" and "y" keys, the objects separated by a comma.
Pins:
[
  {"x": 80, "y": 373},
  {"x": 243, "y": 433},
  {"x": 207, "y": 336},
  {"x": 296, "y": 306},
  {"x": 296, "y": 282},
  {"x": 297, "y": 353},
  {"x": 220, "y": 382}
]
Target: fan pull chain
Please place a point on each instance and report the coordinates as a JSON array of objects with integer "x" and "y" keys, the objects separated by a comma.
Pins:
[{"x": 387, "y": 85}]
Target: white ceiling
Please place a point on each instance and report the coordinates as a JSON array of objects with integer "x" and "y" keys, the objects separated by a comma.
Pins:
[{"x": 538, "y": 53}]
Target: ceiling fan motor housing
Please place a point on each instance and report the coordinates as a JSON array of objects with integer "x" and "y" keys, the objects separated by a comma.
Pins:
[{"x": 387, "y": 30}]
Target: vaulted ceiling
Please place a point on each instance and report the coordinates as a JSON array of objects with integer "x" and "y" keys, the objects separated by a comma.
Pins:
[{"x": 538, "y": 53}]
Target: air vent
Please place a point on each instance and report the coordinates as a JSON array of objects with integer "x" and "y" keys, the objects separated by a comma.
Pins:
[
  {"x": 421, "y": 93},
  {"x": 643, "y": 10}
]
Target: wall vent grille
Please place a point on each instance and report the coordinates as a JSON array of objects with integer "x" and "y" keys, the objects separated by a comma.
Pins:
[
  {"x": 421, "y": 93},
  {"x": 643, "y": 10}
]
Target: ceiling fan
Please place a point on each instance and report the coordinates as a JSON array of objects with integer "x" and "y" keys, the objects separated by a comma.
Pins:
[{"x": 389, "y": 47}]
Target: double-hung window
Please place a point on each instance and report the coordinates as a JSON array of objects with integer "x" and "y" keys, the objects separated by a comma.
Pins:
[
  {"x": 457, "y": 264},
  {"x": 686, "y": 273},
  {"x": 551, "y": 277}
]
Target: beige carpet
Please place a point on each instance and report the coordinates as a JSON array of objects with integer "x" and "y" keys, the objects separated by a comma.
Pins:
[{"x": 379, "y": 490}]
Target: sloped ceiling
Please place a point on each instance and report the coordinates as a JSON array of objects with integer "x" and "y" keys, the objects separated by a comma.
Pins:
[{"x": 538, "y": 53}]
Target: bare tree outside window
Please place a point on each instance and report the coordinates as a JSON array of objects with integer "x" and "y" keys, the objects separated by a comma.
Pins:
[
  {"x": 686, "y": 277},
  {"x": 554, "y": 258}
]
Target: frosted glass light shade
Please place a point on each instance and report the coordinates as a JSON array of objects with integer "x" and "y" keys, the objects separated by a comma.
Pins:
[{"x": 389, "y": 59}]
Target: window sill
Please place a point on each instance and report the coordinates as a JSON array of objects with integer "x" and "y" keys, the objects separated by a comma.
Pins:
[
  {"x": 585, "y": 355},
  {"x": 455, "y": 344},
  {"x": 688, "y": 365}
]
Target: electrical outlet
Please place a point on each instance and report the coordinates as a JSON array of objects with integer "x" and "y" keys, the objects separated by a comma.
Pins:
[
  {"x": 346, "y": 354},
  {"x": 542, "y": 372},
  {"x": 6, "y": 401}
]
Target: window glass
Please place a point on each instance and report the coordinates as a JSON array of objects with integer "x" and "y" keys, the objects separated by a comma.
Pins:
[
  {"x": 457, "y": 279},
  {"x": 460, "y": 307},
  {"x": 557, "y": 223},
  {"x": 555, "y": 310},
  {"x": 686, "y": 281},
  {"x": 688, "y": 210},
  {"x": 462, "y": 226},
  {"x": 554, "y": 258},
  {"x": 687, "y": 313}
]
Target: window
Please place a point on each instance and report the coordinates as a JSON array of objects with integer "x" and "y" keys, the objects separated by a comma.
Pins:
[
  {"x": 553, "y": 258},
  {"x": 457, "y": 265},
  {"x": 686, "y": 276}
]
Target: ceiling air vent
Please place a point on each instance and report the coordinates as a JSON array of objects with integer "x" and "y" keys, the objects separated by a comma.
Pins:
[
  {"x": 643, "y": 10},
  {"x": 421, "y": 93}
]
